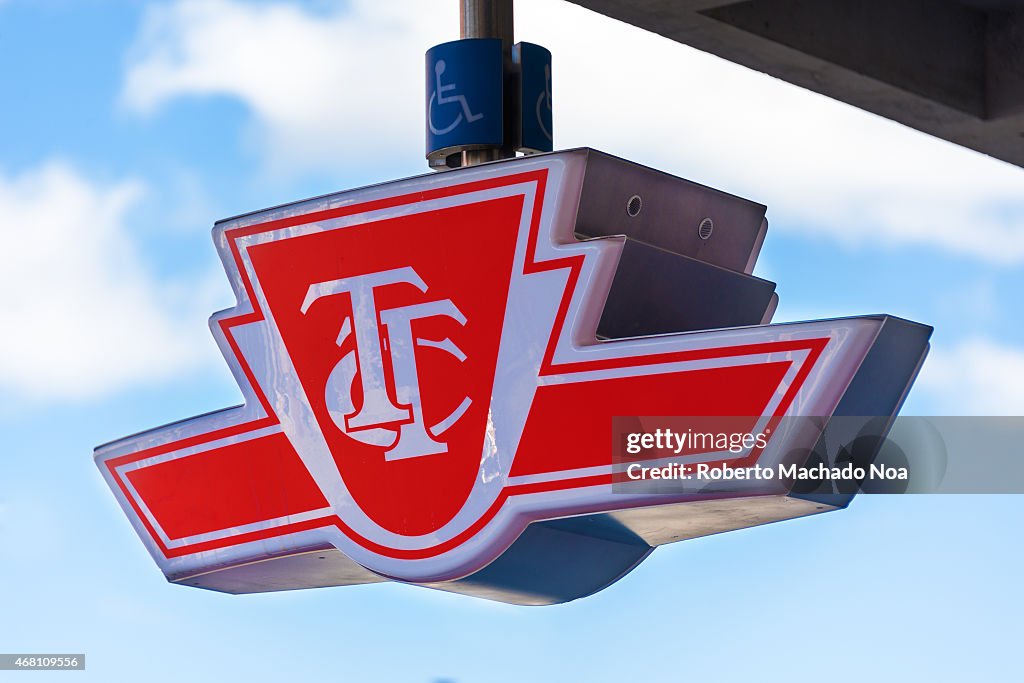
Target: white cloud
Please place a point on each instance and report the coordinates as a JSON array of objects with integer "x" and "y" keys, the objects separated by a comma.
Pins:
[
  {"x": 979, "y": 376},
  {"x": 338, "y": 90},
  {"x": 81, "y": 314},
  {"x": 326, "y": 90}
]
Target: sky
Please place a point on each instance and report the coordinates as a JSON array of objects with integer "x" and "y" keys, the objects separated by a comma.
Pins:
[{"x": 128, "y": 128}]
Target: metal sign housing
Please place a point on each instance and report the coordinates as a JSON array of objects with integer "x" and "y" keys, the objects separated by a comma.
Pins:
[{"x": 431, "y": 367}]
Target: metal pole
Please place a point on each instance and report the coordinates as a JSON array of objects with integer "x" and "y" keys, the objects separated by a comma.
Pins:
[{"x": 493, "y": 19}]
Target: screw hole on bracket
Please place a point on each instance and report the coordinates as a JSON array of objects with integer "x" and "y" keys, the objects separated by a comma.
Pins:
[
  {"x": 706, "y": 227},
  {"x": 634, "y": 205}
]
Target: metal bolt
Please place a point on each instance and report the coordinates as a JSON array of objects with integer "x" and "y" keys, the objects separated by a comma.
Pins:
[
  {"x": 706, "y": 227},
  {"x": 634, "y": 205}
]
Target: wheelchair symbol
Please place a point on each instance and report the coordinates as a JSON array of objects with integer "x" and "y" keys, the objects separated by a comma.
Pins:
[
  {"x": 545, "y": 97},
  {"x": 441, "y": 98}
]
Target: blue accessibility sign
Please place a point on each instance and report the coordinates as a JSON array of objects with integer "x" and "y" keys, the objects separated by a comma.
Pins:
[
  {"x": 464, "y": 94},
  {"x": 535, "y": 118}
]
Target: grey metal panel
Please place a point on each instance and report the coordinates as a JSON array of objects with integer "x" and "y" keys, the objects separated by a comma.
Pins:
[
  {"x": 670, "y": 212},
  {"x": 658, "y": 292},
  {"x": 662, "y": 524},
  {"x": 556, "y": 561},
  {"x": 873, "y": 398},
  {"x": 318, "y": 569}
]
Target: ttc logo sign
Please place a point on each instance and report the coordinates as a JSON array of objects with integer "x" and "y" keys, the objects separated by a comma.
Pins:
[
  {"x": 423, "y": 382},
  {"x": 395, "y": 424}
]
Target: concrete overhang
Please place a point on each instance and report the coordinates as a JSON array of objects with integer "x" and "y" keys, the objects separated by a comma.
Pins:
[{"x": 951, "y": 68}]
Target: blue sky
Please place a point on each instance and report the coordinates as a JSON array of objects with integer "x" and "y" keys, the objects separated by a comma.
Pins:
[{"x": 129, "y": 127}]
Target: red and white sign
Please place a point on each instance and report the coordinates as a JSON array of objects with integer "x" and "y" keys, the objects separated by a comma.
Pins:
[{"x": 422, "y": 379}]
